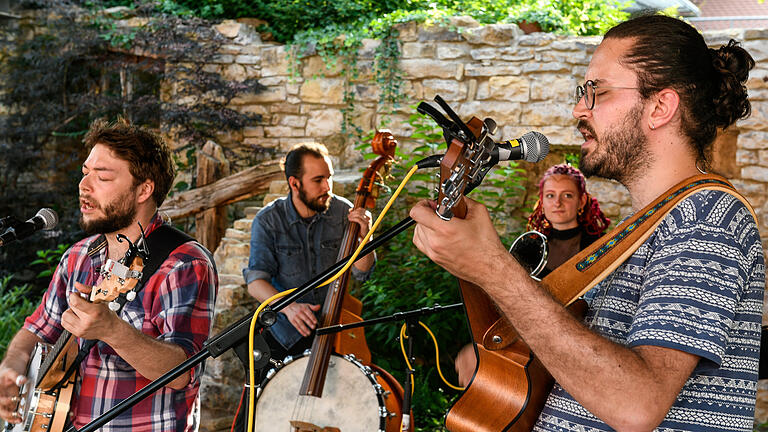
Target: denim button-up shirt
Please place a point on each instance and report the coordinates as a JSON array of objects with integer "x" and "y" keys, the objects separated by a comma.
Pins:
[{"x": 287, "y": 251}]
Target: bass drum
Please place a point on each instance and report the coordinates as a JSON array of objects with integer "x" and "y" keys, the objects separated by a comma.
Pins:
[{"x": 355, "y": 398}]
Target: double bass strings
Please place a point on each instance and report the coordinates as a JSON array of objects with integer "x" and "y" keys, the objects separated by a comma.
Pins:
[{"x": 252, "y": 329}]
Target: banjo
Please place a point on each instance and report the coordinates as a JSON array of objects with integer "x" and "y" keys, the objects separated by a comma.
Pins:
[{"x": 45, "y": 398}]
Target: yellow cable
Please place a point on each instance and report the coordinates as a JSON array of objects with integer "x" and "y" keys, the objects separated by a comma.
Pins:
[
  {"x": 252, "y": 329},
  {"x": 404, "y": 336},
  {"x": 437, "y": 356}
]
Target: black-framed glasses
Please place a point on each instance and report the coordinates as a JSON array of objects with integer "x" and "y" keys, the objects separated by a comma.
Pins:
[{"x": 589, "y": 92}]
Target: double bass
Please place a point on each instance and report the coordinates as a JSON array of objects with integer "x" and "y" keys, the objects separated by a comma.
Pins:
[{"x": 334, "y": 386}]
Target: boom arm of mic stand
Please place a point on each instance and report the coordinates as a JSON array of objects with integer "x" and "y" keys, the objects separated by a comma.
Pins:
[{"x": 397, "y": 316}]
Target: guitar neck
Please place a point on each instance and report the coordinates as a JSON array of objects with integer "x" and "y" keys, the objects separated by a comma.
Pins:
[{"x": 53, "y": 356}]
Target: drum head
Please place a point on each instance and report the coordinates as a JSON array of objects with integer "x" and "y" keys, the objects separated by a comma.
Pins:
[{"x": 350, "y": 399}]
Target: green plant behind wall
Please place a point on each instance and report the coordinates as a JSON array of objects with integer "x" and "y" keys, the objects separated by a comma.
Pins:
[
  {"x": 16, "y": 303},
  {"x": 65, "y": 68}
]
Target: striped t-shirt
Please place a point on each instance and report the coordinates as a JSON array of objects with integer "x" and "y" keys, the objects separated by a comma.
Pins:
[{"x": 696, "y": 285}]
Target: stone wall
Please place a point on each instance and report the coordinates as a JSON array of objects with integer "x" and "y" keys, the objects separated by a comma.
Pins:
[{"x": 524, "y": 82}]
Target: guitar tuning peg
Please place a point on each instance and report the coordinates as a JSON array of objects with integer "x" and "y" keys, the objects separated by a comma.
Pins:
[
  {"x": 130, "y": 295},
  {"x": 114, "y": 306}
]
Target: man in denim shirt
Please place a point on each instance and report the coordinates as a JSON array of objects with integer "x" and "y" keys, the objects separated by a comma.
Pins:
[{"x": 297, "y": 237}]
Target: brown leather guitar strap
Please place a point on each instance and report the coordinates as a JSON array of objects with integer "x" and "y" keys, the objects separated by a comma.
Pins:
[{"x": 584, "y": 270}]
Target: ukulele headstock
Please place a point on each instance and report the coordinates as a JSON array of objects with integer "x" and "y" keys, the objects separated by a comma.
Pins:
[{"x": 119, "y": 278}]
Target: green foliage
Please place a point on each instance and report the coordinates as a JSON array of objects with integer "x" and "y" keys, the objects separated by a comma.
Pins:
[
  {"x": 287, "y": 20},
  {"x": 75, "y": 68},
  {"x": 16, "y": 303},
  {"x": 573, "y": 159},
  {"x": 49, "y": 259},
  {"x": 579, "y": 17}
]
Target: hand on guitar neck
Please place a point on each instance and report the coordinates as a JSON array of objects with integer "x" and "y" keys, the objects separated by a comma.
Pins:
[
  {"x": 89, "y": 320},
  {"x": 454, "y": 244}
]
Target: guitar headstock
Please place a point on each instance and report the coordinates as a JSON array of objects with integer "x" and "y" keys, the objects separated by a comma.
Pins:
[
  {"x": 117, "y": 279},
  {"x": 465, "y": 164}
]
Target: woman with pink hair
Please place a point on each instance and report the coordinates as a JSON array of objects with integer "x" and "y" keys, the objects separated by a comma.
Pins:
[
  {"x": 566, "y": 214},
  {"x": 571, "y": 220}
]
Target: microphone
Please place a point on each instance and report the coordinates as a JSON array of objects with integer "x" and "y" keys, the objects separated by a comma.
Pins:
[
  {"x": 531, "y": 147},
  {"x": 45, "y": 219}
]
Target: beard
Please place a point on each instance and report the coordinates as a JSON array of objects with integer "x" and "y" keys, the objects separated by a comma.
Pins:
[
  {"x": 620, "y": 152},
  {"x": 316, "y": 204},
  {"x": 118, "y": 214}
]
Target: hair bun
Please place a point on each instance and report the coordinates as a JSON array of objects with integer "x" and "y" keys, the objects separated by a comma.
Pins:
[{"x": 732, "y": 64}]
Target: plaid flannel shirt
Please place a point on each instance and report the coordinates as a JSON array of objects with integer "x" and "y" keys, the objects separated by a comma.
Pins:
[{"x": 175, "y": 306}]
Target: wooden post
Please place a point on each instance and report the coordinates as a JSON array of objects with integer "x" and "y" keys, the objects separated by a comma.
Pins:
[{"x": 211, "y": 223}]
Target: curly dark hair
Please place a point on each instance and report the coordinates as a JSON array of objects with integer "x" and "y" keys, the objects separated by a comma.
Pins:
[
  {"x": 669, "y": 53},
  {"x": 148, "y": 156},
  {"x": 590, "y": 218}
]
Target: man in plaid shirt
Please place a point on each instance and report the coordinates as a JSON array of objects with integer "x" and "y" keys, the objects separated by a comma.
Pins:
[{"x": 125, "y": 179}]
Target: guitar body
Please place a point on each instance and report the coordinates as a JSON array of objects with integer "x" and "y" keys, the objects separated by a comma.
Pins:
[
  {"x": 515, "y": 384},
  {"x": 508, "y": 377}
]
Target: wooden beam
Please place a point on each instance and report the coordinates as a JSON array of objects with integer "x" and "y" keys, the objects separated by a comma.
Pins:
[
  {"x": 237, "y": 187},
  {"x": 211, "y": 224}
]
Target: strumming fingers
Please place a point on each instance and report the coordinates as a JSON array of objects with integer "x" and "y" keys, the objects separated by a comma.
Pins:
[{"x": 8, "y": 406}]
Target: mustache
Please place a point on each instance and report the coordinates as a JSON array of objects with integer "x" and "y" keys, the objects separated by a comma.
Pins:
[
  {"x": 584, "y": 125},
  {"x": 89, "y": 199}
]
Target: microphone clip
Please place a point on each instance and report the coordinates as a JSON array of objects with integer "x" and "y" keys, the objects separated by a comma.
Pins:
[
  {"x": 9, "y": 222},
  {"x": 477, "y": 141}
]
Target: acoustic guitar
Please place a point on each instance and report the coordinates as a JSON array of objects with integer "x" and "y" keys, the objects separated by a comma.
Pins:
[
  {"x": 45, "y": 398},
  {"x": 508, "y": 376}
]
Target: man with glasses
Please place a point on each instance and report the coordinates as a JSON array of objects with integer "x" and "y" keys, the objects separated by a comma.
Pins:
[{"x": 671, "y": 339}]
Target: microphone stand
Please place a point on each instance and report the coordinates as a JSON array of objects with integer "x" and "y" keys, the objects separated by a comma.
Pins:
[{"x": 238, "y": 332}]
